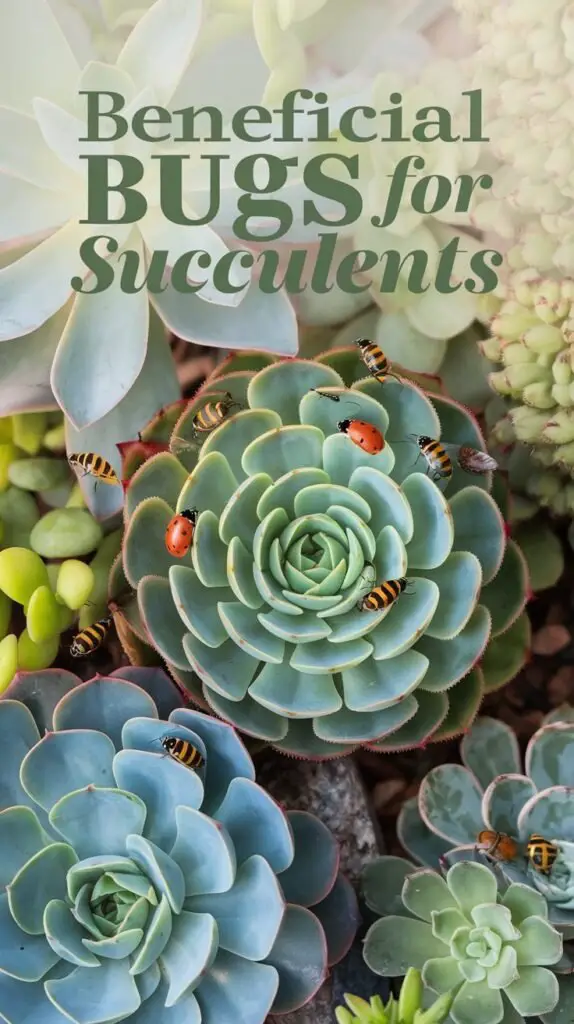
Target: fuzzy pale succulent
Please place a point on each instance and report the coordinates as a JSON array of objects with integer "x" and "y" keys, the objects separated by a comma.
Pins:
[
  {"x": 260, "y": 621},
  {"x": 409, "y": 1008},
  {"x": 532, "y": 341},
  {"x": 493, "y": 790},
  {"x": 143, "y": 887},
  {"x": 492, "y": 952}
]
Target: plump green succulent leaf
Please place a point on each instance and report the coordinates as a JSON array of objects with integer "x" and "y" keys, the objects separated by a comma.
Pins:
[
  {"x": 450, "y": 803},
  {"x": 111, "y": 988},
  {"x": 503, "y": 801},
  {"x": 478, "y": 528},
  {"x": 506, "y": 654},
  {"x": 105, "y": 705},
  {"x": 548, "y": 755},
  {"x": 547, "y": 814},
  {"x": 489, "y": 749},
  {"x": 40, "y": 880},
  {"x": 66, "y": 533},
  {"x": 340, "y": 917},
  {"x": 450, "y": 660},
  {"x": 543, "y": 553},
  {"x": 382, "y": 883},
  {"x": 417, "y": 839},
  {"x": 82, "y": 754},
  {"x": 256, "y": 825},
  {"x": 421, "y": 722},
  {"x": 97, "y": 821},
  {"x": 309, "y": 878},
  {"x": 163, "y": 785},
  {"x": 562, "y": 1012},
  {"x": 393, "y": 944},
  {"x": 299, "y": 976},
  {"x": 505, "y": 596},
  {"x": 464, "y": 700}
]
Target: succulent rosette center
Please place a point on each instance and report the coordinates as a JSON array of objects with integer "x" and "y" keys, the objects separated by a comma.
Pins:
[{"x": 297, "y": 523}]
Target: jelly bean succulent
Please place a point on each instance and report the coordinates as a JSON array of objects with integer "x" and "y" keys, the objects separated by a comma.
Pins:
[
  {"x": 493, "y": 790},
  {"x": 492, "y": 952},
  {"x": 531, "y": 340},
  {"x": 261, "y": 621},
  {"x": 145, "y": 887},
  {"x": 407, "y": 1009},
  {"x": 45, "y": 535}
]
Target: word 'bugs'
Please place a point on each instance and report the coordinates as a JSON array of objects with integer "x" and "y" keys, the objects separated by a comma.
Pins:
[
  {"x": 383, "y": 596},
  {"x": 541, "y": 853},
  {"x": 180, "y": 531},
  {"x": 94, "y": 465},
  {"x": 375, "y": 360},
  {"x": 497, "y": 845},
  {"x": 182, "y": 751}
]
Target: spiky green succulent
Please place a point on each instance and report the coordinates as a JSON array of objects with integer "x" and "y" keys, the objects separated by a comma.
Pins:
[
  {"x": 532, "y": 342},
  {"x": 407, "y": 1009},
  {"x": 260, "y": 621},
  {"x": 492, "y": 951},
  {"x": 493, "y": 790},
  {"x": 137, "y": 889},
  {"x": 45, "y": 535}
]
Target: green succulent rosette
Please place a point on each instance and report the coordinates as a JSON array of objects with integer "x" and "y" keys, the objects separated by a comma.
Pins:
[
  {"x": 494, "y": 789},
  {"x": 136, "y": 889},
  {"x": 493, "y": 952},
  {"x": 260, "y": 621}
]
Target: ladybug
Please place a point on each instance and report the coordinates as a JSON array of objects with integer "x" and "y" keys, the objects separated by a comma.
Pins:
[
  {"x": 363, "y": 434},
  {"x": 179, "y": 533}
]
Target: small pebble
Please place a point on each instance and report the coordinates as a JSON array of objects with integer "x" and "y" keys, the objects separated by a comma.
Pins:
[
  {"x": 561, "y": 686},
  {"x": 550, "y": 639}
]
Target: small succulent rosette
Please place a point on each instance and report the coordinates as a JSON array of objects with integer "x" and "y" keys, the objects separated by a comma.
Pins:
[
  {"x": 493, "y": 953},
  {"x": 260, "y": 621},
  {"x": 137, "y": 889},
  {"x": 492, "y": 790}
]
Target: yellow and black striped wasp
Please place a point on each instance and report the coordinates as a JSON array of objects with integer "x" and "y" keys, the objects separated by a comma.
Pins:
[
  {"x": 383, "y": 595},
  {"x": 91, "y": 638},
  {"x": 182, "y": 751},
  {"x": 375, "y": 360},
  {"x": 94, "y": 465},
  {"x": 541, "y": 853},
  {"x": 440, "y": 457},
  {"x": 207, "y": 419}
]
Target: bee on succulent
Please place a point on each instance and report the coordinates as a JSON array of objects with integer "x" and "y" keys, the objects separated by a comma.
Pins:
[
  {"x": 498, "y": 845},
  {"x": 207, "y": 419},
  {"x": 375, "y": 360},
  {"x": 384, "y": 595},
  {"x": 440, "y": 455},
  {"x": 182, "y": 751},
  {"x": 91, "y": 638},
  {"x": 541, "y": 853},
  {"x": 438, "y": 460},
  {"x": 94, "y": 465},
  {"x": 180, "y": 531}
]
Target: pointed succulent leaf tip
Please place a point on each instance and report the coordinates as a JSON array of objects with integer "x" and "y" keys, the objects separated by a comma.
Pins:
[
  {"x": 477, "y": 942},
  {"x": 317, "y": 566},
  {"x": 142, "y": 863}
]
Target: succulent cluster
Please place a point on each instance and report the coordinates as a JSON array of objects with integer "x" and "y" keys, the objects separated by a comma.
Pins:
[
  {"x": 523, "y": 67},
  {"x": 260, "y": 621},
  {"x": 45, "y": 532},
  {"x": 149, "y": 888},
  {"x": 532, "y": 341},
  {"x": 493, "y": 790},
  {"x": 409, "y": 1008},
  {"x": 491, "y": 952}
]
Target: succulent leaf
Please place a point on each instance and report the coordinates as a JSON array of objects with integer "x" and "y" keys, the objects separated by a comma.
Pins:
[{"x": 163, "y": 885}]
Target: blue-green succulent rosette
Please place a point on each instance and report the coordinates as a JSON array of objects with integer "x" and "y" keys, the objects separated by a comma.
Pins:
[
  {"x": 260, "y": 621},
  {"x": 136, "y": 889},
  {"x": 495, "y": 952},
  {"x": 492, "y": 789}
]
